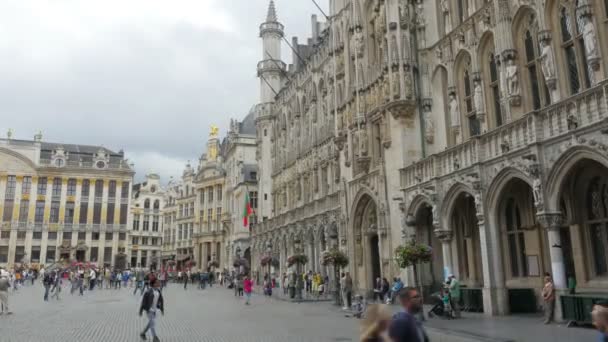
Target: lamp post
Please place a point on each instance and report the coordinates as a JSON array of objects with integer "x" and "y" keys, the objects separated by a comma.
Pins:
[
  {"x": 333, "y": 236},
  {"x": 238, "y": 258},
  {"x": 269, "y": 254},
  {"x": 299, "y": 280}
]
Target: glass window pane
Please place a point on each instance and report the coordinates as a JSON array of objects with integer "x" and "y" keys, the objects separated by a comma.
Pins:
[
  {"x": 572, "y": 70},
  {"x": 513, "y": 256},
  {"x": 598, "y": 248}
]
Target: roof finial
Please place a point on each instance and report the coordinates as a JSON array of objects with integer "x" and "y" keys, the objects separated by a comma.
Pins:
[{"x": 272, "y": 13}]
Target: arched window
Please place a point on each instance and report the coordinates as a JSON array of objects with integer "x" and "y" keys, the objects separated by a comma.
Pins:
[
  {"x": 574, "y": 50},
  {"x": 157, "y": 204},
  {"x": 495, "y": 89},
  {"x": 540, "y": 93},
  {"x": 596, "y": 221},
  {"x": 147, "y": 204},
  {"x": 516, "y": 240}
]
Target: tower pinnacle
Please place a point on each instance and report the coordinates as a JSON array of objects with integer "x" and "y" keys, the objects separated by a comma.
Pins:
[{"x": 272, "y": 13}]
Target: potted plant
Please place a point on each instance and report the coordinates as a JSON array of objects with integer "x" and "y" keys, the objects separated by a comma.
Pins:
[
  {"x": 213, "y": 263},
  {"x": 298, "y": 259},
  {"x": 269, "y": 260},
  {"x": 334, "y": 257},
  {"x": 413, "y": 254}
]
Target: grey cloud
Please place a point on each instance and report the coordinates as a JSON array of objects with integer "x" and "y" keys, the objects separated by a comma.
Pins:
[{"x": 152, "y": 91}]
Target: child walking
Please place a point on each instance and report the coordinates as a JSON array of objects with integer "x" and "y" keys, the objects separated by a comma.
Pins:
[{"x": 248, "y": 288}]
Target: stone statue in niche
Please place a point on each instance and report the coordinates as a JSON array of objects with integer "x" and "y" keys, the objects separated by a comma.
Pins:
[
  {"x": 396, "y": 85},
  {"x": 356, "y": 143},
  {"x": 478, "y": 97},
  {"x": 445, "y": 9},
  {"x": 429, "y": 127},
  {"x": 537, "y": 191},
  {"x": 363, "y": 137},
  {"x": 547, "y": 61},
  {"x": 359, "y": 42},
  {"x": 589, "y": 37},
  {"x": 407, "y": 84},
  {"x": 395, "y": 50},
  {"x": 512, "y": 78},
  {"x": 454, "y": 111},
  {"x": 420, "y": 15}
]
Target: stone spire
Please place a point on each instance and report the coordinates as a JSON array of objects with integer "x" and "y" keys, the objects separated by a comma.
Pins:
[{"x": 272, "y": 13}]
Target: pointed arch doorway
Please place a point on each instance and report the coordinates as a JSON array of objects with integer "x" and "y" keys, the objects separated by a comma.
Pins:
[{"x": 367, "y": 251}]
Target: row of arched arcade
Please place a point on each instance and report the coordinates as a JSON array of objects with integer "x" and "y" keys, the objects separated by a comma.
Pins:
[{"x": 501, "y": 228}]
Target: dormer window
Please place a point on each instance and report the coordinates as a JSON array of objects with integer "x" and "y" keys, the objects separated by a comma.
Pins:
[{"x": 59, "y": 162}]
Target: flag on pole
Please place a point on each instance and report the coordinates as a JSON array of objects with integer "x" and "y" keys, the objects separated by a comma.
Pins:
[{"x": 247, "y": 211}]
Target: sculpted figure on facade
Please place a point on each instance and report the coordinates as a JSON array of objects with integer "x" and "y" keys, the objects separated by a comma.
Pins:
[
  {"x": 359, "y": 42},
  {"x": 363, "y": 140},
  {"x": 547, "y": 60},
  {"x": 454, "y": 111},
  {"x": 429, "y": 126},
  {"x": 407, "y": 84},
  {"x": 478, "y": 97},
  {"x": 512, "y": 78},
  {"x": 396, "y": 85},
  {"x": 447, "y": 21},
  {"x": 537, "y": 191},
  {"x": 589, "y": 37},
  {"x": 420, "y": 15}
]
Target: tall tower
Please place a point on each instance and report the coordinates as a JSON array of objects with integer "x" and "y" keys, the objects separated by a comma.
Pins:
[{"x": 270, "y": 68}]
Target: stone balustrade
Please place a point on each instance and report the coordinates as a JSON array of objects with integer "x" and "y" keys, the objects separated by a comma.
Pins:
[{"x": 578, "y": 111}]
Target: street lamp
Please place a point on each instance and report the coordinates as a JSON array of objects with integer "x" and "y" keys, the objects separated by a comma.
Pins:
[
  {"x": 269, "y": 254},
  {"x": 299, "y": 280},
  {"x": 333, "y": 236}
]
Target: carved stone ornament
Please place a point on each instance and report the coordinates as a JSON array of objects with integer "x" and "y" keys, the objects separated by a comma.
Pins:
[
  {"x": 402, "y": 110},
  {"x": 444, "y": 235},
  {"x": 551, "y": 221},
  {"x": 429, "y": 124}
]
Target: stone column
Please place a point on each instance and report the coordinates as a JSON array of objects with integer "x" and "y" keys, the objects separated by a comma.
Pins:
[
  {"x": 446, "y": 236},
  {"x": 552, "y": 222}
]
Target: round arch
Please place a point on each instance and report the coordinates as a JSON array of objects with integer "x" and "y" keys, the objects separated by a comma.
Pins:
[
  {"x": 417, "y": 203},
  {"x": 449, "y": 200},
  {"x": 499, "y": 183},
  {"x": 561, "y": 169}
]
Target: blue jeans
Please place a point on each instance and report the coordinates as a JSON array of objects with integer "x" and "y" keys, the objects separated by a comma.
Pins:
[
  {"x": 151, "y": 323},
  {"x": 46, "y": 292}
]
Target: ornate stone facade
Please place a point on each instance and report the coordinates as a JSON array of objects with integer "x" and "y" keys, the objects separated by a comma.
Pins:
[{"x": 486, "y": 115}]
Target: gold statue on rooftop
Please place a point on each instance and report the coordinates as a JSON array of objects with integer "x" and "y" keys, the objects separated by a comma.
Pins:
[{"x": 215, "y": 132}]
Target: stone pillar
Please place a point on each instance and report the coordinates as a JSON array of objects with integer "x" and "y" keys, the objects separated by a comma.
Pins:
[
  {"x": 446, "y": 236},
  {"x": 552, "y": 222}
]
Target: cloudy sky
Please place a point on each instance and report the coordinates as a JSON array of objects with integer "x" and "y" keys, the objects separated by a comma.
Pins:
[{"x": 147, "y": 76}]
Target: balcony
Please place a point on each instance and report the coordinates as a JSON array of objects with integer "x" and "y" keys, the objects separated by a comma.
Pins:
[{"x": 578, "y": 111}]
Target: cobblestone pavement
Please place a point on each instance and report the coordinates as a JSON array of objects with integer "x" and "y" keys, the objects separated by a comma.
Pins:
[
  {"x": 217, "y": 315},
  {"x": 192, "y": 315}
]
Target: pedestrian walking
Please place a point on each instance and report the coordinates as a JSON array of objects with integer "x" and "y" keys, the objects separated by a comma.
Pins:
[
  {"x": 405, "y": 327},
  {"x": 151, "y": 303},
  {"x": 56, "y": 287},
  {"x": 4, "y": 286},
  {"x": 139, "y": 281},
  {"x": 248, "y": 288},
  {"x": 81, "y": 283},
  {"x": 347, "y": 286},
  {"x": 454, "y": 295},
  {"x": 240, "y": 285},
  {"x": 186, "y": 278},
  {"x": 47, "y": 282},
  {"x": 548, "y": 293},
  {"x": 92, "y": 278}
]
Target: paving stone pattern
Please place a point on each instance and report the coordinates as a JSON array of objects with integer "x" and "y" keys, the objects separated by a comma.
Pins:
[{"x": 191, "y": 315}]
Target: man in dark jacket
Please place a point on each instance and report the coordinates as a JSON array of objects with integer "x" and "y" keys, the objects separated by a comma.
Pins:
[
  {"x": 405, "y": 327},
  {"x": 152, "y": 302},
  {"x": 47, "y": 282}
]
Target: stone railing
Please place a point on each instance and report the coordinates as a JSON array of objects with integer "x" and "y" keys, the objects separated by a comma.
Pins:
[{"x": 580, "y": 110}]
